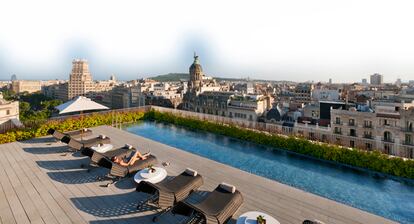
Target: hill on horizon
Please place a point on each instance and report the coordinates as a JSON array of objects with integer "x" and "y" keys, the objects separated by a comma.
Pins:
[{"x": 171, "y": 77}]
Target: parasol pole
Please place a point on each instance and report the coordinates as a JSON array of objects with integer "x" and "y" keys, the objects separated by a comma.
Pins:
[{"x": 81, "y": 116}]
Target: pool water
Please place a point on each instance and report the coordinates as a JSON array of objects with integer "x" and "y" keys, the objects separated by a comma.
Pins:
[{"x": 382, "y": 196}]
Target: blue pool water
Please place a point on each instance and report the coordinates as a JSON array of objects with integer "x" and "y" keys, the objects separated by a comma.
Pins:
[{"x": 382, "y": 196}]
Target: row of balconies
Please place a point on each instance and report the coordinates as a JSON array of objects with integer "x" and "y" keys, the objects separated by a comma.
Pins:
[{"x": 391, "y": 140}]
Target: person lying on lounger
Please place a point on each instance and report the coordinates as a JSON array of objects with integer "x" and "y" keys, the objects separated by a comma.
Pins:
[{"x": 131, "y": 159}]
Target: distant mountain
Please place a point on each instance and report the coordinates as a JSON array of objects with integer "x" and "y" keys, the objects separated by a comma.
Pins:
[
  {"x": 174, "y": 77},
  {"x": 171, "y": 77}
]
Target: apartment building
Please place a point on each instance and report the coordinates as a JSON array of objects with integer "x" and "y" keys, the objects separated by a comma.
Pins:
[
  {"x": 29, "y": 86},
  {"x": 387, "y": 127},
  {"x": 9, "y": 114},
  {"x": 303, "y": 93}
]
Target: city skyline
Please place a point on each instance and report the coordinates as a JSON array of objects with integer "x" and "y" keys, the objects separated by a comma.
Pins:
[{"x": 345, "y": 41}]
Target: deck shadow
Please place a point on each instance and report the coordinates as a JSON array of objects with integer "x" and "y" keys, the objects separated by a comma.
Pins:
[
  {"x": 63, "y": 164},
  {"x": 126, "y": 183},
  {"x": 40, "y": 140},
  {"x": 112, "y": 205},
  {"x": 77, "y": 176},
  {"x": 47, "y": 150}
]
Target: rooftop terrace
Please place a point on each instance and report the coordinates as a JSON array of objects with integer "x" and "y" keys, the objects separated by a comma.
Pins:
[{"x": 39, "y": 185}]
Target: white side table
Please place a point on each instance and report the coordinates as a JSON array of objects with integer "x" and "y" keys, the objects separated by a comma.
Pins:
[
  {"x": 102, "y": 149},
  {"x": 154, "y": 177},
  {"x": 251, "y": 218}
]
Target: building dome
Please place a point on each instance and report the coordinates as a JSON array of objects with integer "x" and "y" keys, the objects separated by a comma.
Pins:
[{"x": 196, "y": 67}]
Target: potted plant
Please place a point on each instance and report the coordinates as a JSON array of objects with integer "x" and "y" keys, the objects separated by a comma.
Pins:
[
  {"x": 151, "y": 168},
  {"x": 261, "y": 219}
]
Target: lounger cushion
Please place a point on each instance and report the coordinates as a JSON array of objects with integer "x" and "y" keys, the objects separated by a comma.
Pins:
[
  {"x": 121, "y": 171},
  {"x": 191, "y": 172},
  {"x": 228, "y": 187}
]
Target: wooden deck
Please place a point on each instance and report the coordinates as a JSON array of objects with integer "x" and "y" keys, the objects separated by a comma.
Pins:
[{"x": 39, "y": 185}]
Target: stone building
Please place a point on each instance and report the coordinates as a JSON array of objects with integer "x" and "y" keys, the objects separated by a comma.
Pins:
[
  {"x": 303, "y": 93},
  {"x": 9, "y": 114},
  {"x": 387, "y": 127},
  {"x": 29, "y": 86},
  {"x": 204, "y": 96}
]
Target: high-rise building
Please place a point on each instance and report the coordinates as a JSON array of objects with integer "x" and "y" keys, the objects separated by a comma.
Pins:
[
  {"x": 80, "y": 81},
  {"x": 364, "y": 81},
  {"x": 376, "y": 79},
  {"x": 398, "y": 82},
  {"x": 13, "y": 77}
]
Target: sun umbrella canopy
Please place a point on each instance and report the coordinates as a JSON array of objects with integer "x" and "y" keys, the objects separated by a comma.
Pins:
[{"x": 79, "y": 104}]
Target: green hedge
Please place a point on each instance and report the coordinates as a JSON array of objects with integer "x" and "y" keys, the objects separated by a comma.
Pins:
[
  {"x": 373, "y": 160},
  {"x": 69, "y": 125}
]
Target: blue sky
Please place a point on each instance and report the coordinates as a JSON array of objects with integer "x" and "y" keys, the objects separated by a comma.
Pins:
[{"x": 296, "y": 40}]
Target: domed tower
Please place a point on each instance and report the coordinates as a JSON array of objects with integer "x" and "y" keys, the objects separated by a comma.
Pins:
[{"x": 196, "y": 74}]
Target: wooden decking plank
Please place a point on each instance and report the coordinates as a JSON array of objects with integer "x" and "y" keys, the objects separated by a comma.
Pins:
[
  {"x": 16, "y": 207},
  {"x": 24, "y": 176},
  {"x": 6, "y": 214},
  {"x": 60, "y": 207},
  {"x": 62, "y": 193},
  {"x": 22, "y": 188}
]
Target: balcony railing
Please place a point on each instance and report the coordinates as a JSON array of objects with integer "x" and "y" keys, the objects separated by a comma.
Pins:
[
  {"x": 352, "y": 135},
  {"x": 351, "y": 124},
  {"x": 368, "y": 136},
  {"x": 388, "y": 140},
  {"x": 408, "y": 143},
  {"x": 367, "y": 125},
  {"x": 408, "y": 129},
  {"x": 338, "y": 122},
  {"x": 338, "y": 132}
]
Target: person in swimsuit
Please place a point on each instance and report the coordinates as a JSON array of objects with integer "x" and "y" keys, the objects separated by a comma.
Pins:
[{"x": 131, "y": 159}]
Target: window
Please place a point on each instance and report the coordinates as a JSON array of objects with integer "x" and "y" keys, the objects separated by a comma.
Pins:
[
  {"x": 338, "y": 120},
  {"x": 387, "y": 149},
  {"x": 386, "y": 122},
  {"x": 387, "y": 136},
  {"x": 367, "y": 134},
  {"x": 338, "y": 130},
  {"x": 409, "y": 126},
  {"x": 368, "y": 146},
  {"x": 352, "y": 132},
  {"x": 8, "y": 112},
  {"x": 352, "y": 144},
  {"x": 351, "y": 122},
  {"x": 408, "y": 139},
  {"x": 367, "y": 124}
]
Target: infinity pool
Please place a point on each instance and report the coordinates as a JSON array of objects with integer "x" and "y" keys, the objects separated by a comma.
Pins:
[{"x": 382, "y": 196}]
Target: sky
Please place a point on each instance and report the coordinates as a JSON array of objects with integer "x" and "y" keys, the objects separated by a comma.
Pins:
[{"x": 298, "y": 40}]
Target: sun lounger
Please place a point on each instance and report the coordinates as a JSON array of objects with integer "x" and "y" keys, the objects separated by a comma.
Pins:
[
  {"x": 80, "y": 144},
  {"x": 116, "y": 171},
  {"x": 73, "y": 134},
  {"x": 312, "y": 222},
  {"x": 98, "y": 156},
  {"x": 217, "y": 208},
  {"x": 166, "y": 194}
]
